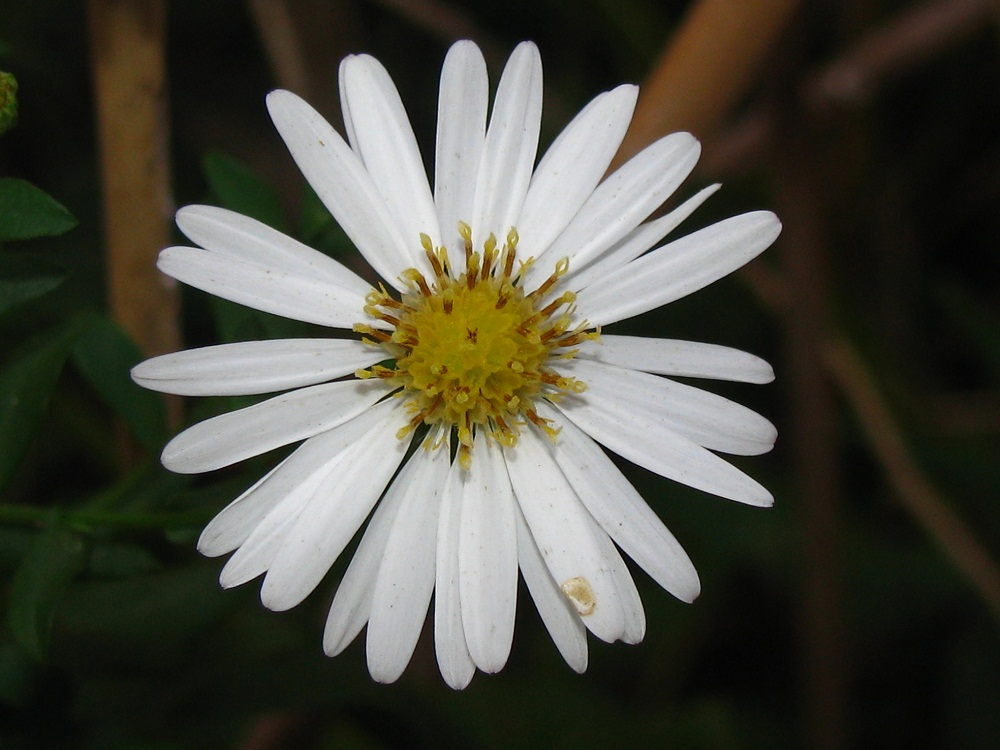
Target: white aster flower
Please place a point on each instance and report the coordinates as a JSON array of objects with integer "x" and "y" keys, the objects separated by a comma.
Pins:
[{"x": 477, "y": 445}]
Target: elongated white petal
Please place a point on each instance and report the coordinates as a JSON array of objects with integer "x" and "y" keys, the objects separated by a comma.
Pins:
[
  {"x": 559, "y": 616},
  {"x": 572, "y": 167},
  {"x": 287, "y": 492},
  {"x": 620, "y": 510},
  {"x": 679, "y": 358},
  {"x": 222, "y": 440},
  {"x": 678, "y": 268},
  {"x": 406, "y": 577},
  {"x": 454, "y": 661},
  {"x": 340, "y": 180},
  {"x": 511, "y": 142},
  {"x": 645, "y": 440},
  {"x": 709, "y": 420},
  {"x": 256, "y": 554},
  {"x": 238, "y": 236},
  {"x": 628, "y": 594},
  {"x": 562, "y": 530},
  {"x": 287, "y": 293},
  {"x": 352, "y": 603},
  {"x": 252, "y": 367},
  {"x": 335, "y": 513},
  {"x": 461, "y": 130},
  {"x": 635, "y": 243},
  {"x": 621, "y": 203},
  {"x": 385, "y": 142},
  {"x": 487, "y": 557}
]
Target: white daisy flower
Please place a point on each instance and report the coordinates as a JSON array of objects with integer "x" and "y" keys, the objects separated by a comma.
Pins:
[{"x": 469, "y": 413}]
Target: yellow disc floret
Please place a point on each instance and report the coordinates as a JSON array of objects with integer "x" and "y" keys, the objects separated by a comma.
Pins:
[{"x": 473, "y": 352}]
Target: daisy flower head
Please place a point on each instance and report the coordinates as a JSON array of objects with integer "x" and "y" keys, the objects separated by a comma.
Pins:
[{"x": 464, "y": 417}]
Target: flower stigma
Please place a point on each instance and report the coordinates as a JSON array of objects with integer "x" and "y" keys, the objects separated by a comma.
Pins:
[{"x": 474, "y": 351}]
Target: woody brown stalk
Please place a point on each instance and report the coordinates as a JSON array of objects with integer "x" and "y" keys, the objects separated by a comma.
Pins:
[
  {"x": 708, "y": 66},
  {"x": 127, "y": 49}
]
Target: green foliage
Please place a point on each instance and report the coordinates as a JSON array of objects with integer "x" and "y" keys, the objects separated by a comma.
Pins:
[
  {"x": 103, "y": 354},
  {"x": 27, "y": 381},
  {"x": 26, "y": 212},
  {"x": 56, "y": 556},
  {"x": 240, "y": 189}
]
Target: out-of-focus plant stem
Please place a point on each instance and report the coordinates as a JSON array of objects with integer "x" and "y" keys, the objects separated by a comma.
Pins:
[
  {"x": 127, "y": 39},
  {"x": 912, "y": 487},
  {"x": 709, "y": 64},
  {"x": 127, "y": 48}
]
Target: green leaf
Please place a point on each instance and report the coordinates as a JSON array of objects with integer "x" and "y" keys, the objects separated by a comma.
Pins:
[
  {"x": 240, "y": 189},
  {"x": 22, "y": 279},
  {"x": 26, "y": 384},
  {"x": 54, "y": 559},
  {"x": 27, "y": 212},
  {"x": 104, "y": 355}
]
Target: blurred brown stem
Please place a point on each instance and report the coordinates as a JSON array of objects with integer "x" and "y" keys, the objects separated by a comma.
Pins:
[
  {"x": 127, "y": 43},
  {"x": 915, "y": 491},
  {"x": 812, "y": 440},
  {"x": 127, "y": 48},
  {"x": 706, "y": 68}
]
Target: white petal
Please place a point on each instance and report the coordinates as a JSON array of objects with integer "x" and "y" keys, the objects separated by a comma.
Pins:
[
  {"x": 487, "y": 557},
  {"x": 336, "y": 512},
  {"x": 621, "y": 203},
  {"x": 628, "y": 594},
  {"x": 564, "y": 534},
  {"x": 454, "y": 661},
  {"x": 275, "y": 290},
  {"x": 511, "y": 143},
  {"x": 620, "y": 510},
  {"x": 352, "y": 603},
  {"x": 280, "y": 500},
  {"x": 645, "y": 440},
  {"x": 385, "y": 142},
  {"x": 406, "y": 576},
  {"x": 709, "y": 420},
  {"x": 635, "y": 243},
  {"x": 573, "y": 166},
  {"x": 679, "y": 358},
  {"x": 232, "y": 234},
  {"x": 559, "y": 616},
  {"x": 461, "y": 130},
  {"x": 233, "y": 524},
  {"x": 340, "y": 180},
  {"x": 228, "y": 438},
  {"x": 253, "y": 367},
  {"x": 678, "y": 268}
]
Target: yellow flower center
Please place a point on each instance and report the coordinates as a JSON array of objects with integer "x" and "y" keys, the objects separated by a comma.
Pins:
[{"x": 473, "y": 351}]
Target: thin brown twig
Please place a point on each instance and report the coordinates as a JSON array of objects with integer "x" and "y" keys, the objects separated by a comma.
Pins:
[
  {"x": 855, "y": 77},
  {"x": 915, "y": 491},
  {"x": 910, "y": 38}
]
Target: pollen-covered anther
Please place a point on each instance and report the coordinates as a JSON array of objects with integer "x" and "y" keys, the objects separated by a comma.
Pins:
[{"x": 472, "y": 350}]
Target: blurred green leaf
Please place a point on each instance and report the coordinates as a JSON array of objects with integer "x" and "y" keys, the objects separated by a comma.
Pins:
[
  {"x": 240, "y": 189},
  {"x": 53, "y": 560},
  {"x": 26, "y": 384},
  {"x": 104, "y": 354},
  {"x": 113, "y": 560},
  {"x": 27, "y": 212},
  {"x": 22, "y": 279}
]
